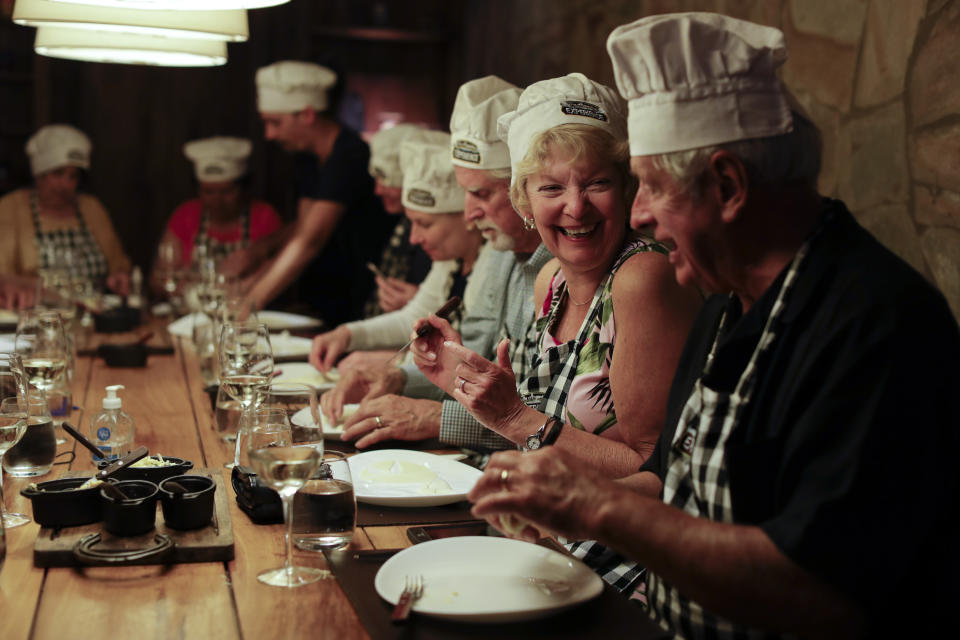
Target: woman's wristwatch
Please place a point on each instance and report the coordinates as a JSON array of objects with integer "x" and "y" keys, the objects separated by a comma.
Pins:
[{"x": 538, "y": 439}]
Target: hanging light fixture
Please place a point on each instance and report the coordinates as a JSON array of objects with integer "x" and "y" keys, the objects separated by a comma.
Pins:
[
  {"x": 180, "y": 5},
  {"x": 127, "y": 48},
  {"x": 230, "y": 25}
]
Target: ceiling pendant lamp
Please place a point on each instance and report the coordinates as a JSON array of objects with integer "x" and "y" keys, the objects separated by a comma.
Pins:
[
  {"x": 180, "y": 5},
  {"x": 229, "y": 26},
  {"x": 126, "y": 48}
]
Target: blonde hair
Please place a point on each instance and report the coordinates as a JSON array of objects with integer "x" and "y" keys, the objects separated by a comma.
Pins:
[{"x": 574, "y": 141}]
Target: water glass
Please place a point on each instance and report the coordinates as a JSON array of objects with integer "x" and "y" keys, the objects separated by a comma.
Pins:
[
  {"x": 302, "y": 406},
  {"x": 13, "y": 424},
  {"x": 227, "y": 415},
  {"x": 325, "y": 509},
  {"x": 34, "y": 454}
]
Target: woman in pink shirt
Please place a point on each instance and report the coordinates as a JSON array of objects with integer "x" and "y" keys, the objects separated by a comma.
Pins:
[{"x": 222, "y": 219}]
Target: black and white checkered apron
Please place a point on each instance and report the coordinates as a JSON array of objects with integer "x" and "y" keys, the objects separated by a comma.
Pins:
[
  {"x": 217, "y": 249},
  {"x": 697, "y": 479},
  {"x": 86, "y": 257},
  {"x": 550, "y": 373}
]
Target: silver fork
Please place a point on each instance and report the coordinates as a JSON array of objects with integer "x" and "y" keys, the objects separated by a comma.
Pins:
[{"x": 412, "y": 590}]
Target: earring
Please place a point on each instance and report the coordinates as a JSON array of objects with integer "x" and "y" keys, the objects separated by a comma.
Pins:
[{"x": 529, "y": 224}]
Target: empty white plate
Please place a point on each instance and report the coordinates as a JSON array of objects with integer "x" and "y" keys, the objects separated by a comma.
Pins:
[
  {"x": 488, "y": 579},
  {"x": 405, "y": 478}
]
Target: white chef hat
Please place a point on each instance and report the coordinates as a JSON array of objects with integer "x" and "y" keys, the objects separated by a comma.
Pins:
[
  {"x": 218, "y": 159},
  {"x": 474, "y": 142},
  {"x": 291, "y": 85},
  {"x": 693, "y": 80},
  {"x": 429, "y": 183},
  {"x": 570, "y": 99},
  {"x": 385, "y": 150},
  {"x": 58, "y": 145}
]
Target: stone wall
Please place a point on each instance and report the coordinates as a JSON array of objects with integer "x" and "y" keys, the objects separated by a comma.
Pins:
[{"x": 881, "y": 78}]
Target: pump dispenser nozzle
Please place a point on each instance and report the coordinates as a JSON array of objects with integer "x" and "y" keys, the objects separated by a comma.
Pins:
[{"x": 111, "y": 401}]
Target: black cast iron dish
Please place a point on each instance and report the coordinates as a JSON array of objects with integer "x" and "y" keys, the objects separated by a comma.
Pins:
[
  {"x": 59, "y": 503},
  {"x": 153, "y": 474},
  {"x": 136, "y": 514},
  {"x": 116, "y": 320},
  {"x": 187, "y": 501},
  {"x": 124, "y": 355}
]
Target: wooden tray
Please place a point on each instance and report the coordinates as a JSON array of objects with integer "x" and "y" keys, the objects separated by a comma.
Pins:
[{"x": 214, "y": 543}]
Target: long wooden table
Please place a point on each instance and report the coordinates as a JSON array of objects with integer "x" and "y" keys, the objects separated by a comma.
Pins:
[
  {"x": 201, "y": 600},
  {"x": 224, "y": 600}
]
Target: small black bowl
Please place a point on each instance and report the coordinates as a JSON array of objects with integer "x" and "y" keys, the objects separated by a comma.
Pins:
[
  {"x": 152, "y": 474},
  {"x": 190, "y": 510},
  {"x": 124, "y": 355},
  {"x": 116, "y": 320},
  {"x": 59, "y": 503},
  {"x": 135, "y": 515}
]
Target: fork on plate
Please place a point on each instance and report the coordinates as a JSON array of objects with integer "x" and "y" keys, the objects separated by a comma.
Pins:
[{"x": 412, "y": 590}]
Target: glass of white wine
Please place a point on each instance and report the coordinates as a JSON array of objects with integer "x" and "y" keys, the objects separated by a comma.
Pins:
[
  {"x": 13, "y": 424},
  {"x": 42, "y": 345},
  {"x": 245, "y": 359},
  {"x": 284, "y": 468}
]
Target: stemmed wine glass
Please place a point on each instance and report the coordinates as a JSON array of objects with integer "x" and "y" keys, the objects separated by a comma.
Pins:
[
  {"x": 246, "y": 361},
  {"x": 285, "y": 468},
  {"x": 42, "y": 344},
  {"x": 13, "y": 425}
]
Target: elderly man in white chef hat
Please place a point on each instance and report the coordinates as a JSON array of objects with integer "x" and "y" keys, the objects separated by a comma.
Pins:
[
  {"x": 503, "y": 309},
  {"x": 783, "y": 497},
  {"x": 341, "y": 224},
  {"x": 222, "y": 218},
  {"x": 52, "y": 225}
]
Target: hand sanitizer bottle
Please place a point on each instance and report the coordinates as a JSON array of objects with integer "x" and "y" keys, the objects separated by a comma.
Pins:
[{"x": 112, "y": 429}]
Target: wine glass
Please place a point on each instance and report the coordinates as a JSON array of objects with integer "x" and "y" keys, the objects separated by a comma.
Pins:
[
  {"x": 42, "y": 344},
  {"x": 302, "y": 406},
  {"x": 245, "y": 359},
  {"x": 13, "y": 425},
  {"x": 285, "y": 468}
]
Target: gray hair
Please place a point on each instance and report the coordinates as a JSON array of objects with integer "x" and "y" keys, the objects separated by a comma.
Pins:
[
  {"x": 503, "y": 173},
  {"x": 793, "y": 157}
]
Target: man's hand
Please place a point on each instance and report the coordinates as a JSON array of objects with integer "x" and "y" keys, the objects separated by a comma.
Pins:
[
  {"x": 399, "y": 419},
  {"x": 358, "y": 385},
  {"x": 429, "y": 353},
  {"x": 119, "y": 282},
  {"x": 545, "y": 491}
]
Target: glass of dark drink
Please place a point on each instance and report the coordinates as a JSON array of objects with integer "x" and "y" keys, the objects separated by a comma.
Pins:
[{"x": 325, "y": 509}]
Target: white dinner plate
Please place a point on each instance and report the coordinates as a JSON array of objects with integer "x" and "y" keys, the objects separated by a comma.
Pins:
[
  {"x": 280, "y": 320},
  {"x": 8, "y": 342},
  {"x": 183, "y": 327},
  {"x": 488, "y": 579},
  {"x": 306, "y": 373},
  {"x": 285, "y": 345},
  {"x": 303, "y": 418},
  {"x": 405, "y": 478},
  {"x": 274, "y": 320}
]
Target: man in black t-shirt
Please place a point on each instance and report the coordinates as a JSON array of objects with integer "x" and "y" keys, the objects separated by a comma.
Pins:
[{"x": 341, "y": 224}]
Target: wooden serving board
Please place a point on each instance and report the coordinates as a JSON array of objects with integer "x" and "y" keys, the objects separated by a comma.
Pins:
[{"x": 213, "y": 543}]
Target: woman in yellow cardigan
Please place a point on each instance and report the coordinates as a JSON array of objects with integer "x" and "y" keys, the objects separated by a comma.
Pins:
[{"x": 39, "y": 225}]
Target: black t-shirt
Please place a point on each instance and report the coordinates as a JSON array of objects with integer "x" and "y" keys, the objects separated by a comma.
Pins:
[
  {"x": 336, "y": 283},
  {"x": 845, "y": 455}
]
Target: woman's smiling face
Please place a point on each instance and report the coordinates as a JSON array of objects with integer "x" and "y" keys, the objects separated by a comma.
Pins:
[{"x": 580, "y": 210}]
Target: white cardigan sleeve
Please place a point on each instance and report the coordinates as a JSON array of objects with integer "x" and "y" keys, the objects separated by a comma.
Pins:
[{"x": 392, "y": 330}]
